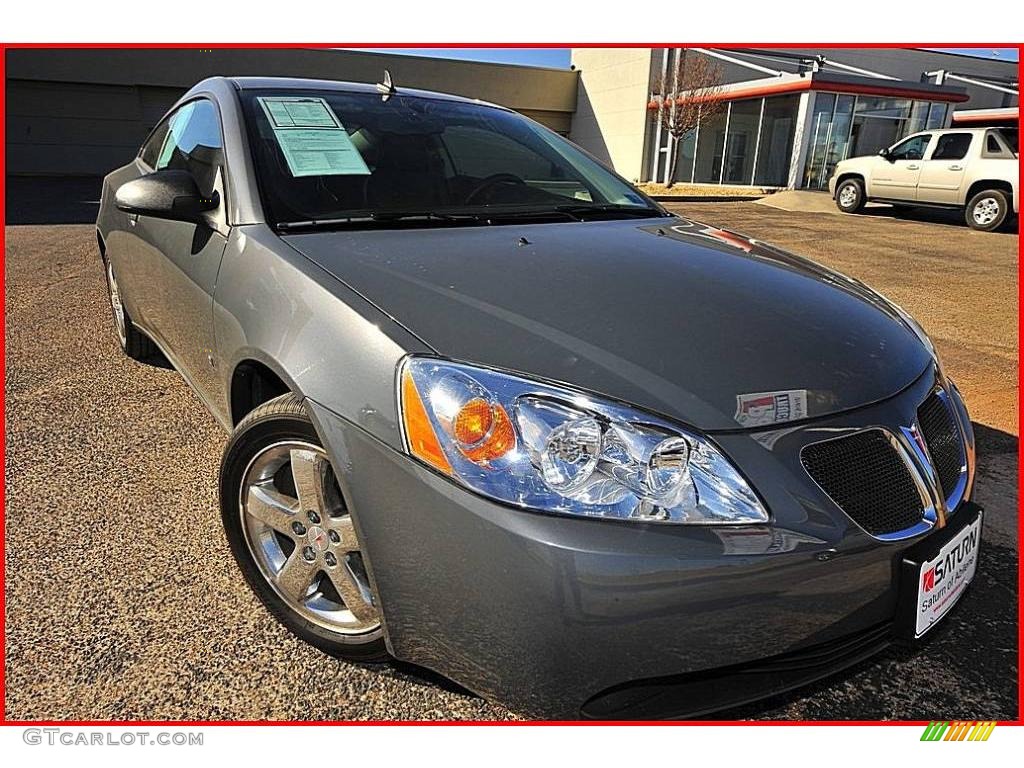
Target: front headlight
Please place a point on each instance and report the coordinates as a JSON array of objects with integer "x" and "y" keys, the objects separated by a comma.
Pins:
[{"x": 548, "y": 448}]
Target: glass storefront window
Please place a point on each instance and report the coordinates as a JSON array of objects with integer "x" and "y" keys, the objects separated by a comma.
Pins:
[
  {"x": 844, "y": 126},
  {"x": 877, "y": 122},
  {"x": 830, "y": 139},
  {"x": 741, "y": 141},
  {"x": 839, "y": 138},
  {"x": 883, "y": 107},
  {"x": 710, "y": 150},
  {"x": 918, "y": 117},
  {"x": 684, "y": 168},
  {"x": 775, "y": 150},
  {"x": 751, "y": 141},
  {"x": 937, "y": 116},
  {"x": 821, "y": 122}
]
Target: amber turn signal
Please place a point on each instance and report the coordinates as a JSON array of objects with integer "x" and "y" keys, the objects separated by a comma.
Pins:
[
  {"x": 483, "y": 431},
  {"x": 419, "y": 431}
]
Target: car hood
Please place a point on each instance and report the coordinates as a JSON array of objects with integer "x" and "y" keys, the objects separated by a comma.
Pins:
[{"x": 696, "y": 323}]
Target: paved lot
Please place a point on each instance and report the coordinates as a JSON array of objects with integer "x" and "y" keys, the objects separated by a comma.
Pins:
[{"x": 122, "y": 600}]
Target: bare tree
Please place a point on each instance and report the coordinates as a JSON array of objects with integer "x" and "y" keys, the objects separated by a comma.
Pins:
[{"x": 690, "y": 93}]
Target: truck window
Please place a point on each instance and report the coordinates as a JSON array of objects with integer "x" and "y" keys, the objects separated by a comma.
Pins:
[
  {"x": 911, "y": 149},
  {"x": 952, "y": 146},
  {"x": 1012, "y": 138}
]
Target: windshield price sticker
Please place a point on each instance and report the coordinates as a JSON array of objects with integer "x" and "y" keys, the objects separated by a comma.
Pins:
[{"x": 312, "y": 139}]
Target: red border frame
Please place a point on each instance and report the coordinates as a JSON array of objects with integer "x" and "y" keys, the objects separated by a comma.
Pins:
[{"x": 3, "y": 429}]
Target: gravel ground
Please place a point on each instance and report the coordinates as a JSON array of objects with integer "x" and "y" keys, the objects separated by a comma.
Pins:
[{"x": 122, "y": 601}]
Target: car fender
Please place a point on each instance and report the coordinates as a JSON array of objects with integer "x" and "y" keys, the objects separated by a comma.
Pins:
[{"x": 322, "y": 339}]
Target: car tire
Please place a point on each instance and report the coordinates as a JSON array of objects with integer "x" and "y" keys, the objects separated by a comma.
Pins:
[
  {"x": 289, "y": 529},
  {"x": 850, "y": 197},
  {"x": 134, "y": 343},
  {"x": 987, "y": 210}
]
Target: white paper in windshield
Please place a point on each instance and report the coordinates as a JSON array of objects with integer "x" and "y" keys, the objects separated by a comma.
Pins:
[{"x": 312, "y": 138}]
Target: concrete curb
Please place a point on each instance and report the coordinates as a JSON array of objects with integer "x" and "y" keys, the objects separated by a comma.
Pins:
[{"x": 704, "y": 198}]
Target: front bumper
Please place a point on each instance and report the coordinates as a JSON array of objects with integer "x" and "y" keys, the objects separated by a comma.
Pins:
[{"x": 545, "y": 613}]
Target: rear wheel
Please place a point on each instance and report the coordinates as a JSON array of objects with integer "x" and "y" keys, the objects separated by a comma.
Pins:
[
  {"x": 133, "y": 342},
  {"x": 850, "y": 196},
  {"x": 987, "y": 210},
  {"x": 292, "y": 535}
]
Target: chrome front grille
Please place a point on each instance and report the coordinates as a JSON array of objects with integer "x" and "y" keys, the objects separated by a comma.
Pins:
[
  {"x": 868, "y": 476},
  {"x": 894, "y": 487},
  {"x": 945, "y": 442}
]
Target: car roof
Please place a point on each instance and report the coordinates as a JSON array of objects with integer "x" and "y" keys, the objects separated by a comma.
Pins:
[{"x": 312, "y": 84}]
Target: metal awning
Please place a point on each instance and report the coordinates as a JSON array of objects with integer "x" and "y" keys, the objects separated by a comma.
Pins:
[
  {"x": 834, "y": 81},
  {"x": 998, "y": 116}
]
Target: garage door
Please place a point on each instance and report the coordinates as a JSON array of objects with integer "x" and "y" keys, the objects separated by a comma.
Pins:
[{"x": 78, "y": 129}]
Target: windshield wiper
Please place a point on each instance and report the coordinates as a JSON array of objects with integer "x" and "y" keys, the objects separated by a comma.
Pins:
[
  {"x": 369, "y": 219},
  {"x": 528, "y": 216},
  {"x": 580, "y": 211},
  {"x": 376, "y": 219}
]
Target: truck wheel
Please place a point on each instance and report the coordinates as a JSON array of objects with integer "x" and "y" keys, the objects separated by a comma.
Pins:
[
  {"x": 850, "y": 196},
  {"x": 987, "y": 210}
]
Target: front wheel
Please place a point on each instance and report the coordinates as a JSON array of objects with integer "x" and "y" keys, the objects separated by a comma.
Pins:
[
  {"x": 987, "y": 210},
  {"x": 850, "y": 197},
  {"x": 292, "y": 535}
]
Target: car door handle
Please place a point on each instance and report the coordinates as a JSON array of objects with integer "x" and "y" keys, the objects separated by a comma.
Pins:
[
  {"x": 133, "y": 219},
  {"x": 956, "y": 167},
  {"x": 913, "y": 167}
]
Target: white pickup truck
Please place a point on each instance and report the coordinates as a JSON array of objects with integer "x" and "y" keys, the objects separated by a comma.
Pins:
[{"x": 972, "y": 169}]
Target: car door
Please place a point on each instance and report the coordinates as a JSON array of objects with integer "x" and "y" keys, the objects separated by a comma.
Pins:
[
  {"x": 943, "y": 171},
  {"x": 896, "y": 174},
  {"x": 127, "y": 253},
  {"x": 183, "y": 258}
]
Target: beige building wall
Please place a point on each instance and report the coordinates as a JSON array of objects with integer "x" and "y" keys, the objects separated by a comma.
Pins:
[{"x": 611, "y": 105}]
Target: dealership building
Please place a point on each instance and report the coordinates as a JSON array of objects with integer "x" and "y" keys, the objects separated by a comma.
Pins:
[{"x": 791, "y": 114}]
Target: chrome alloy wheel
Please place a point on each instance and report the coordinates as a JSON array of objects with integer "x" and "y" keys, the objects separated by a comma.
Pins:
[
  {"x": 301, "y": 535},
  {"x": 115, "y": 304},
  {"x": 985, "y": 211},
  {"x": 848, "y": 196}
]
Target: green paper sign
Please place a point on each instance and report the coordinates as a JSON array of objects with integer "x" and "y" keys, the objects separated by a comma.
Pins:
[{"x": 312, "y": 139}]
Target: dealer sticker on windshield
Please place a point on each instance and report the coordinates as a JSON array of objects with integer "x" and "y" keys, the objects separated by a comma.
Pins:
[
  {"x": 942, "y": 581},
  {"x": 312, "y": 138}
]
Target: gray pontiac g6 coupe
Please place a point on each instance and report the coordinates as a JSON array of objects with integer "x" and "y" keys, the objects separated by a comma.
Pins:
[{"x": 494, "y": 412}]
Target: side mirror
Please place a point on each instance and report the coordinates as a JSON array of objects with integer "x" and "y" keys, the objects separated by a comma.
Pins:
[
  {"x": 166, "y": 194},
  {"x": 884, "y": 152}
]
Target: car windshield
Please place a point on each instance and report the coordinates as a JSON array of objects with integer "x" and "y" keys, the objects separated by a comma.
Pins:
[{"x": 333, "y": 158}]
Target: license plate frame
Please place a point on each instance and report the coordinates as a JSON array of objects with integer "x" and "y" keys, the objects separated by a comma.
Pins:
[{"x": 951, "y": 556}]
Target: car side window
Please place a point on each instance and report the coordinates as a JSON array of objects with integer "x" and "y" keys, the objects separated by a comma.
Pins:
[
  {"x": 952, "y": 146},
  {"x": 151, "y": 149},
  {"x": 994, "y": 147},
  {"x": 911, "y": 149},
  {"x": 1012, "y": 138},
  {"x": 193, "y": 143}
]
